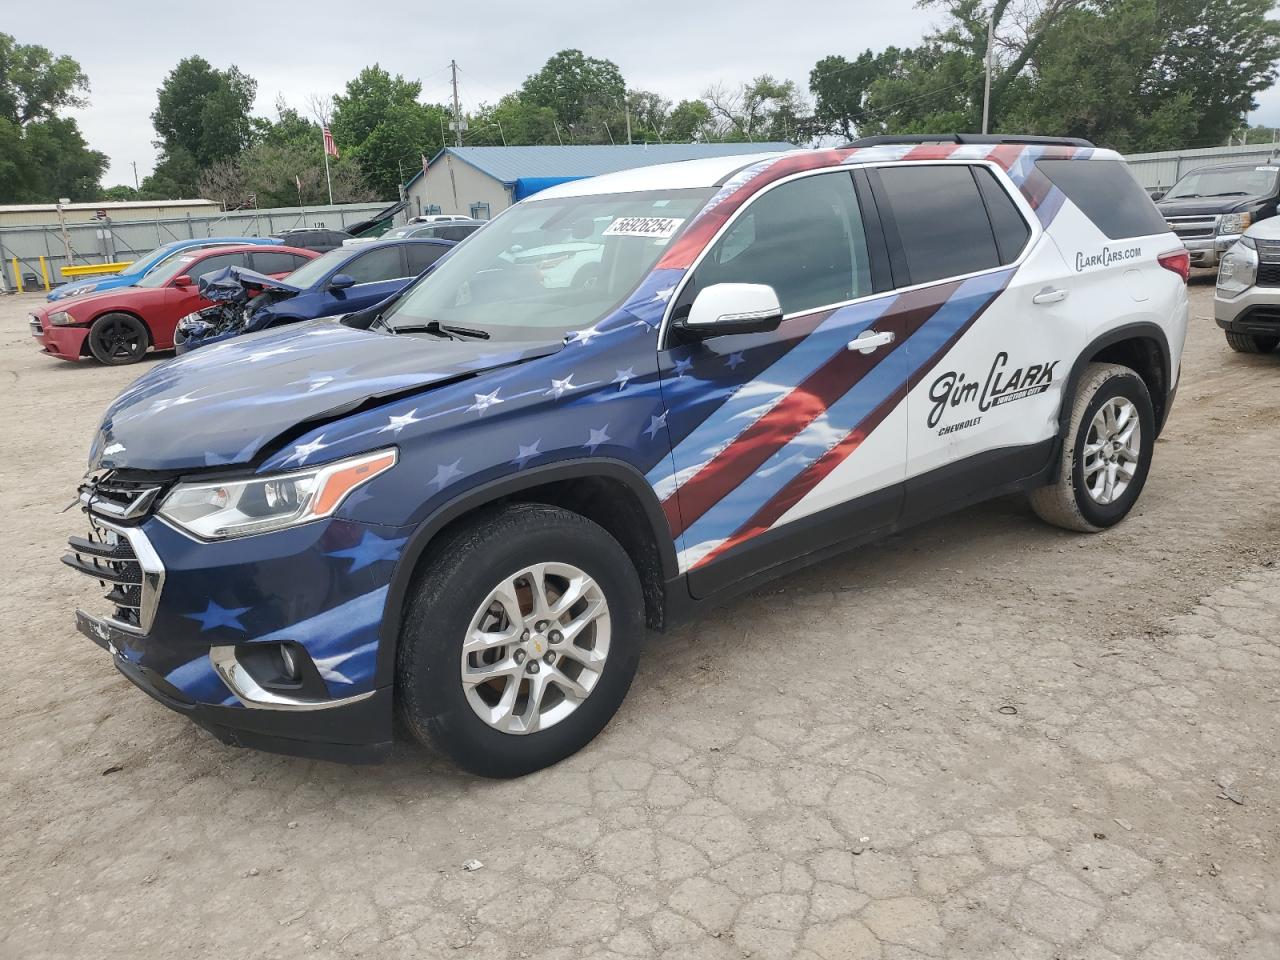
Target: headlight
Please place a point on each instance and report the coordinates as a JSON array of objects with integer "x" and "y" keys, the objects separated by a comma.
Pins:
[
  {"x": 60, "y": 318},
  {"x": 1238, "y": 268},
  {"x": 1230, "y": 223},
  {"x": 237, "y": 508}
]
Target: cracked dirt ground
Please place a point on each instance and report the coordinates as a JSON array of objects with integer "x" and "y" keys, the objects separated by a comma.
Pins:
[{"x": 984, "y": 739}]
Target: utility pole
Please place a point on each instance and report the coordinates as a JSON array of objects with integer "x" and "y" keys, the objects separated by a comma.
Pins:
[
  {"x": 626, "y": 104},
  {"x": 457, "y": 111},
  {"x": 135, "y": 175},
  {"x": 986, "y": 90}
]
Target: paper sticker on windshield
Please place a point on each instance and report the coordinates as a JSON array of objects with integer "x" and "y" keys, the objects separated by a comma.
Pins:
[
  {"x": 656, "y": 228},
  {"x": 1268, "y": 169}
]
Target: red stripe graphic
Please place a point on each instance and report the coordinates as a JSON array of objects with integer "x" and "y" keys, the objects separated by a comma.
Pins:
[
  {"x": 931, "y": 151},
  {"x": 815, "y": 473},
  {"x": 795, "y": 411}
]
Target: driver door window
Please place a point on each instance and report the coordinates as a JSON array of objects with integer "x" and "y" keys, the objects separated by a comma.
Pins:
[{"x": 377, "y": 265}]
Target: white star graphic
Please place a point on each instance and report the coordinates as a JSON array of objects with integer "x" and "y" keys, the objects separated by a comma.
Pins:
[
  {"x": 656, "y": 424},
  {"x": 598, "y": 437},
  {"x": 396, "y": 423},
  {"x": 682, "y": 366},
  {"x": 318, "y": 383},
  {"x": 484, "y": 401},
  {"x": 328, "y": 667},
  {"x": 446, "y": 473},
  {"x": 735, "y": 359},
  {"x": 560, "y": 387},
  {"x": 584, "y": 336},
  {"x": 623, "y": 376},
  {"x": 304, "y": 450},
  {"x": 167, "y": 402},
  {"x": 664, "y": 294},
  {"x": 525, "y": 454}
]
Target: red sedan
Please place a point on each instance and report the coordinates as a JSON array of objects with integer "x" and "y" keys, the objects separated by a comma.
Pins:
[{"x": 119, "y": 326}]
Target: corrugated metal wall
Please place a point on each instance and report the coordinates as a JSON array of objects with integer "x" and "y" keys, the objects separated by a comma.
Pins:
[
  {"x": 107, "y": 241},
  {"x": 1163, "y": 169}
]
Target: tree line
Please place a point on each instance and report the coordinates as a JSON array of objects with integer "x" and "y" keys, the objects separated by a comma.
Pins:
[{"x": 1134, "y": 75}]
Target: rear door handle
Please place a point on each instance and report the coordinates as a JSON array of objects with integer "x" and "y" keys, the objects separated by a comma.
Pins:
[
  {"x": 869, "y": 341},
  {"x": 1050, "y": 295}
]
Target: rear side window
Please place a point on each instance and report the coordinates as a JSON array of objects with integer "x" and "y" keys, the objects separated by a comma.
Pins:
[
  {"x": 275, "y": 262},
  {"x": 423, "y": 255},
  {"x": 1107, "y": 194},
  {"x": 941, "y": 221},
  {"x": 212, "y": 264},
  {"x": 457, "y": 233},
  {"x": 1012, "y": 232}
]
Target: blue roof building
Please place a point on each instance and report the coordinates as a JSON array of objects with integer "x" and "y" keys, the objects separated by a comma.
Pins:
[{"x": 483, "y": 181}]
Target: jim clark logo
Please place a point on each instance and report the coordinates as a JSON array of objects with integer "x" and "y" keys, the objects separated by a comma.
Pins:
[
  {"x": 1105, "y": 257},
  {"x": 953, "y": 390}
]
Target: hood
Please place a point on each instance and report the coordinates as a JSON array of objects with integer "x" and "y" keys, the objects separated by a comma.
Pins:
[
  {"x": 225, "y": 403},
  {"x": 1205, "y": 206},
  {"x": 1268, "y": 229},
  {"x": 232, "y": 282}
]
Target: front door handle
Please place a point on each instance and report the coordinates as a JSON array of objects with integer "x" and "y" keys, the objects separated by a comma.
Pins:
[
  {"x": 1050, "y": 295},
  {"x": 869, "y": 341}
]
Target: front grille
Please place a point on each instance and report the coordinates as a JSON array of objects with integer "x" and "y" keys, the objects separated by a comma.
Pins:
[
  {"x": 1269, "y": 250},
  {"x": 1268, "y": 275},
  {"x": 1193, "y": 228},
  {"x": 119, "y": 498},
  {"x": 110, "y": 559},
  {"x": 119, "y": 555}
]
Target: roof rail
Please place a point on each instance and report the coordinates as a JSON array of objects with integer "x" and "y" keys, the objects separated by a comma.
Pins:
[{"x": 965, "y": 138}]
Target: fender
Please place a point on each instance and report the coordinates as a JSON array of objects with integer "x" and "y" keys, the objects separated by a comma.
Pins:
[
  {"x": 486, "y": 493},
  {"x": 1130, "y": 331}
]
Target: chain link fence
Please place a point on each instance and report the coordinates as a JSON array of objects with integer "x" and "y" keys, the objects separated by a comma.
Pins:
[{"x": 29, "y": 253}]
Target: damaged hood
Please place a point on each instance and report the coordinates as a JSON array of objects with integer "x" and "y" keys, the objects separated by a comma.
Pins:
[
  {"x": 232, "y": 282},
  {"x": 225, "y": 404}
]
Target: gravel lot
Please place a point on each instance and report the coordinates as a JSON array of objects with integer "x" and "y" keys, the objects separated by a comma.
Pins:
[{"x": 986, "y": 738}]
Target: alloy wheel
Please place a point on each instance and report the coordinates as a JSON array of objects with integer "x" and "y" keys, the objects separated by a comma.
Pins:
[
  {"x": 535, "y": 648},
  {"x": 1112, "y": 450}
]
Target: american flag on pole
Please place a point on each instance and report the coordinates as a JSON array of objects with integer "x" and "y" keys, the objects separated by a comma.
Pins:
[
  {"x": 330, "y": 147},
  {"x": 424, "y": 164}
]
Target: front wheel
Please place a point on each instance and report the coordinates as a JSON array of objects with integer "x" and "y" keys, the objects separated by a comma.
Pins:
[
  {"x": 520, "y": 640},
  {"x": 1251, "y": 343},
  {"x": 1106, "y": 452},
  {"x": 118, "y": 338}
]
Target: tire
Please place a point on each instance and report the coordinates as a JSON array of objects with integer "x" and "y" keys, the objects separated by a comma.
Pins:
[
  {"x": 452, "y": 592},
  {"x": 118, "y": 338},
  {"x": 1080, "y": 499},
  {"x": 1251, "y": 342}
]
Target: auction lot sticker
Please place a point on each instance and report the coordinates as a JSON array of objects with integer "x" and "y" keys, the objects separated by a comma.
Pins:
[{"x": 658, "y": 228}]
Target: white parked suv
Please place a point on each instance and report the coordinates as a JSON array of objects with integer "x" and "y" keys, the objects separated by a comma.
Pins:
[
  {"x": 465, "y": 504},
  {"x": 1246, "y": 303}
]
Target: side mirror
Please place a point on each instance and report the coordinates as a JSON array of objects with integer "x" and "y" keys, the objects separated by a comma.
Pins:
[
  {"x": 1157, "y": 195},
  {"x": 340, "y": 281},
  {"x": 182, "y": 281},
  {"x": 727, "y": 308}
]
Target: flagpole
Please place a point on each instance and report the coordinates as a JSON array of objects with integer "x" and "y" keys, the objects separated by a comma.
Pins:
[{"x": 325, "y": 148}]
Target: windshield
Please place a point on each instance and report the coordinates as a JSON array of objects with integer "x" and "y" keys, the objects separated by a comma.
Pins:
[
  {"x": 399, "y": 232},
  {"x": 173, "y": 267},
  {"x": 149, "y": 260},
  {"x": 549, "y": 266},
  {"x": 313, "y": 271},
  {"x": 1239, "y": 182}
]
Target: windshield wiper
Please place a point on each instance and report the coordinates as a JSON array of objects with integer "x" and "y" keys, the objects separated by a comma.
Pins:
[
  {"x": 440, "y": 330},
  {"x": 1231, "y": 193}
]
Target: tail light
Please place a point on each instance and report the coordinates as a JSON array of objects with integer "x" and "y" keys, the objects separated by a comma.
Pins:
[{"x": 1179, "y": 262}]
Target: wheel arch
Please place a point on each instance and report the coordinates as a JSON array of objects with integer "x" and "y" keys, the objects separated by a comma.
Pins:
[
  {"x": 1143, "y": 348},
  {"x": 151, "y": 334},
  {"x": 608, "y": 492}
]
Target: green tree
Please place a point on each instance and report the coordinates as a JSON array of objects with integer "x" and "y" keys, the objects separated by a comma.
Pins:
[
  {"x": 175, "y": 177},
  {"x": 380, "y": 122},
  {"x": 689, "y": 122},
  {"x": 204, "y": 112},
  {"x": 269, "y": 174},
  {"x": 43, "y": 156},
  {"x": 842, "y": 88},
  {"x": 512, "y": 121},
  {"x": 764, "y": 109},
  {"x": 120, "y": 192},
  {"x": 578, "y": 90}
]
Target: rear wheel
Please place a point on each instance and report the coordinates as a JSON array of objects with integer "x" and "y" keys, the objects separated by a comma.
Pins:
[
  {"x": 118, "y": 338},
  {"x": 520, "y": 641},
  {"x": 1251, "y": 343},
  {"x": 1106, "y": 452}
]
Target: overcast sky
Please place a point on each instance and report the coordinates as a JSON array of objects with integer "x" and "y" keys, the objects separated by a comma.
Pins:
[{"x": 676, "y": 47}]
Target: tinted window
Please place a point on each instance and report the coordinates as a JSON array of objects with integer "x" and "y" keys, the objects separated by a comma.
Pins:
[
  {"x": 423, "y": 255},
  {"x": 381, "y": 264},
  {"x": 803, "y": 238},
  {"x": 1012, "y": 232},
  {"x": 941, "y": 221},
  {"x": 1108, "y": 195},
  {"x": 458, "y": 232},
  {"x": 275, "y": 262},
  {"x": 213, "y": 264}
]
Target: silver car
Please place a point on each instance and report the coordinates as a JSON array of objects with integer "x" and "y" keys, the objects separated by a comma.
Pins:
[{"x": 1246, "y": 303}]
